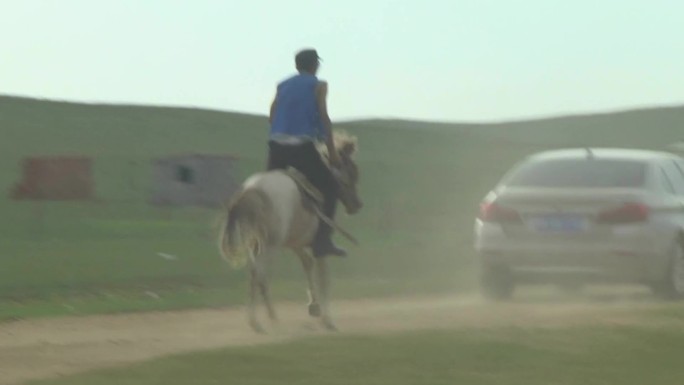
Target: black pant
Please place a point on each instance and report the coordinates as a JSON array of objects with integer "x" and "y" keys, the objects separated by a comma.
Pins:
[{"x": 306, "y": 158}]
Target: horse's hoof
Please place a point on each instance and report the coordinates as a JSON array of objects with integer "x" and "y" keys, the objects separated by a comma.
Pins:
[
  {"x": 310, "y": 327},
  {"x": 315, "y": 310},
  {"x": 330, "y": 326},
  {"x": 257, "y": 328}
]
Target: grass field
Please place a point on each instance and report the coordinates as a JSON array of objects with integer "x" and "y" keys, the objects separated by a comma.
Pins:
[
  {"x": 583, "y": 355},
  {"x": 421, "y": 183}
]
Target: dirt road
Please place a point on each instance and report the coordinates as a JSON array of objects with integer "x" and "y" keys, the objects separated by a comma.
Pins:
[{"x": 36, "y": 349}]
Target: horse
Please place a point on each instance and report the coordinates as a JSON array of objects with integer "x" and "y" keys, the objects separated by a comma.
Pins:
[{"x": 270, "y": 213}]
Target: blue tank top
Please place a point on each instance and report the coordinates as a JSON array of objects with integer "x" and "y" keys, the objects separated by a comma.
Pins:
[{"x": 296, "y": 111}]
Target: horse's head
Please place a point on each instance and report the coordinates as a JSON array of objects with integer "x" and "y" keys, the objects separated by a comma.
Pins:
[{"x": 348, "y": 173}]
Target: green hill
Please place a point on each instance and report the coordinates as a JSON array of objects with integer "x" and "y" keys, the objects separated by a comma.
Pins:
[{"x": 421, "y": 183}]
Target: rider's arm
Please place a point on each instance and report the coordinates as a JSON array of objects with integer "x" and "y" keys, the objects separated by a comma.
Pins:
[
  {"x": 321, "y": 97},
  {"x": 272, "y": 112}
]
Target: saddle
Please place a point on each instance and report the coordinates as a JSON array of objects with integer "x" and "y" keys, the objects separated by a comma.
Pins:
[{"x": 312, "y": 198}]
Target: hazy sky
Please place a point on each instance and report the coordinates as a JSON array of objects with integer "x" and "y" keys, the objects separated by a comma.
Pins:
[{"x": 438, "y": 60}]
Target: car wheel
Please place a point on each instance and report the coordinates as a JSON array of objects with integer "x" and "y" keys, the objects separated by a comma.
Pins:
[
  {"x": 497, "y": 283},
  {"x": 672, "y": 285}
]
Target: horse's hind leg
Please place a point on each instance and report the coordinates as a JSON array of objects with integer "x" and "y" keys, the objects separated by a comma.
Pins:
[
  {"x": 308, "y": 264},
  {"x": 323, "y": 291},
  {"x": 252, "y": 303},
  {"x": 266, "y": 294},
  {"x": 263, "y": 282}
]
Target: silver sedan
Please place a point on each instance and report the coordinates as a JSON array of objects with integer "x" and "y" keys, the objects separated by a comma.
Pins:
[{"x": 578, "y": 216}]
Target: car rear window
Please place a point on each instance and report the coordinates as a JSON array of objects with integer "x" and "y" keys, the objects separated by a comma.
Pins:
[{"x": 580, "y": 173}]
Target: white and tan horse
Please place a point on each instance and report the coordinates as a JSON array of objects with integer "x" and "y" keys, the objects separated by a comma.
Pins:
[{"x": 269, "y": 214}]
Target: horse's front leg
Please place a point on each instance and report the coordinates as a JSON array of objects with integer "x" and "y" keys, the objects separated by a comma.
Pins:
[
  {"x": 308, "y": 264},
  {"x": 323, "y": 279}
]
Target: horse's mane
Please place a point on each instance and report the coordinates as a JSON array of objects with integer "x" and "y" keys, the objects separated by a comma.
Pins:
[{"x": 344, "y": 143}]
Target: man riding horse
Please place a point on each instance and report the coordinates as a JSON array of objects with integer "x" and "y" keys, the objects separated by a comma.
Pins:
[
  {"x": 278, "y": 209},
  {"x": 299, "y": 119}
]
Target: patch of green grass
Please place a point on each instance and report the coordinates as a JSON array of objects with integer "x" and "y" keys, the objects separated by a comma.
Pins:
[
  {"x": 180, "y": 295},
  {"x": 582, "y": 356}
]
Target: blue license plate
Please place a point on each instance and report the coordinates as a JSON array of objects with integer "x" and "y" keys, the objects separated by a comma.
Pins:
[{"x": 559, "y": 224}]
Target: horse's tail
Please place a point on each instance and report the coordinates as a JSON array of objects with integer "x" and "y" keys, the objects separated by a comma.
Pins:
[{"x": 245, "y": 231}]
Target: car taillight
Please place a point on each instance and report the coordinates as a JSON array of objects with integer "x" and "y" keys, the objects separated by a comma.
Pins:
[
  {"x": 627, "y": 213},
  {"x": 492, "y": 212}
]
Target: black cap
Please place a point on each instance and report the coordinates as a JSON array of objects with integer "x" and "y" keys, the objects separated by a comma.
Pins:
[{"x": 306, "y": 59}]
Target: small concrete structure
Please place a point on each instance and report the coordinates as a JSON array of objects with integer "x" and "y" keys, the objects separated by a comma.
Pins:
[{"x": 193, "y": 180}]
